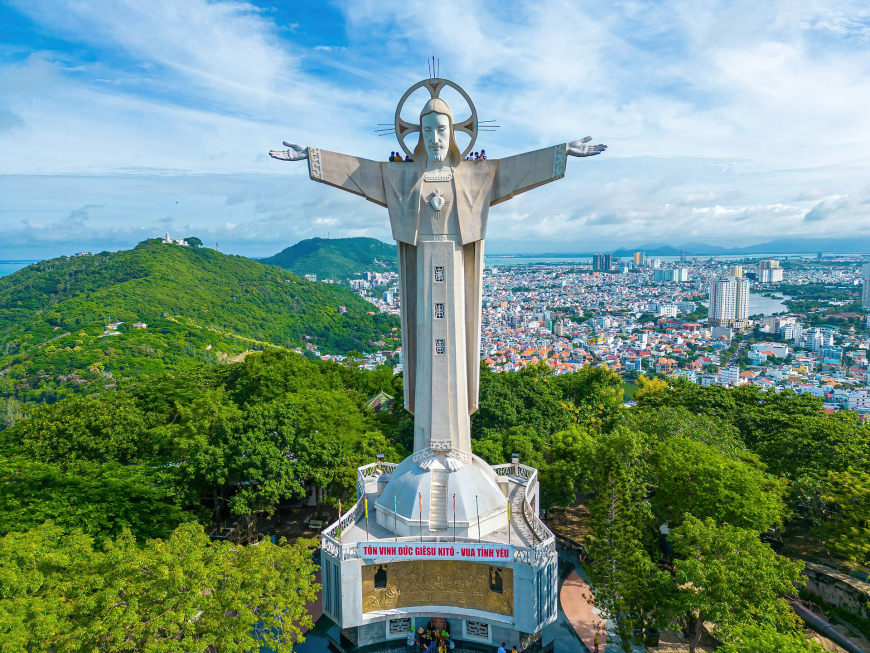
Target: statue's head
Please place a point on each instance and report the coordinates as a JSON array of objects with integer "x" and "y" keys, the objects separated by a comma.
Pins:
[{"x": 437, "y": 141}]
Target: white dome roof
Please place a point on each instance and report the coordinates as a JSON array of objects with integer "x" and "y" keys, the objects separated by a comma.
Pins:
[{"x": 476, "y": 479}]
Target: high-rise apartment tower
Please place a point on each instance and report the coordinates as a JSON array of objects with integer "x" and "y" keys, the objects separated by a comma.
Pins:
[{"x": 729, "y": 301}]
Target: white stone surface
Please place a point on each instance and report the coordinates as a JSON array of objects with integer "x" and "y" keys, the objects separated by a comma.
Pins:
[{"x": 473, "y": 484}]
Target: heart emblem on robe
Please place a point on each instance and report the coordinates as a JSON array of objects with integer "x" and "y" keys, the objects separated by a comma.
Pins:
[{"x": 437, "y": 201}]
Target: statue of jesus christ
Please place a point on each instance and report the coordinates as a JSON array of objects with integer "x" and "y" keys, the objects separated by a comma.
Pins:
[{"x": 438, "y": 206}]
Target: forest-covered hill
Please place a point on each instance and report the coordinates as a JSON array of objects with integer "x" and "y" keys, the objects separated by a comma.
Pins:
[
  {"x": 336, "y": 258},
  {"x": 199, "y": 306}
]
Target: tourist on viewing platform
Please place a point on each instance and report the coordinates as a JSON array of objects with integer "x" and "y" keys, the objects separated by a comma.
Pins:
[
  {"x": 412, "y": 641},
  {"x": 408, "y": 159},
  {"x": 501, "y": 648},
  {"x": 483, "y": 155}
]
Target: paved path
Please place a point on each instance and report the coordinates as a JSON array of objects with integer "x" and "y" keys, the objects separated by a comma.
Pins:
[{"x": 579, "y": 611}]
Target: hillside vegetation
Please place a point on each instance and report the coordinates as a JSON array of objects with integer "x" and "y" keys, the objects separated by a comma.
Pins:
[
  {"x": 200, "y": 306},
  {"x": 336, "y": 258}
]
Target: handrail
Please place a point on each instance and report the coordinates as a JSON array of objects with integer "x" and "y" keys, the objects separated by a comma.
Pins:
[
  {"x": 368, "y": 471},
  {"x": 547, "y": 541}
]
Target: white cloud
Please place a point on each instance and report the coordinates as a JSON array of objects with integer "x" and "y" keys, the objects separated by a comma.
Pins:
[
  {"x": 725, "y": 121},
  {"x": 851, "y": 211}
]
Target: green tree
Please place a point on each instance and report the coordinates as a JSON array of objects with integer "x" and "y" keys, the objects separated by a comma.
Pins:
[
  {"x": 193, "y": 241},
  {"x": 649, "y": 387},
  {"x": 498, "y": 447},
  {"x": 727, "y": 576},
  {"x": 766, "y": 639},
  {"x": 677, "y": 421},
  {"x": 573, "y": 454},
  {"x": 184, "y": 592},
  {"x": 697, "y": 479},
  {"x": 262, "y": 464},
  {"x": 202, "y": 442},
  {"x": 99, "y": 429},
  {"x": 625, "y": 583},
  {"x": 848, "y": 532},
  {"x": 100, "y": 499},
  {"x": 528, "y": 398},
  {"x": 596, "y": 393}
]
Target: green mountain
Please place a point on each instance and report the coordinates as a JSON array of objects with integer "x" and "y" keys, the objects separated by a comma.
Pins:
[
  {"x": 336, "y": 258},
  {"x": 200, "y": 306}
]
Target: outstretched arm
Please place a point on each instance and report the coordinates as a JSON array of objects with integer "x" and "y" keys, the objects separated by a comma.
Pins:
[
  {"x": 517, "y": 174},
  {"x": 355, "y": 175}
]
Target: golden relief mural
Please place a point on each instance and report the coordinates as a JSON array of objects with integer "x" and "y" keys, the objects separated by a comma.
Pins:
[{"x": 428, "y": 582}]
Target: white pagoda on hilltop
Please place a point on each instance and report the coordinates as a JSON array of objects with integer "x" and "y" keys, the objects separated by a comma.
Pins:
[{"x": 442, "y": 535}]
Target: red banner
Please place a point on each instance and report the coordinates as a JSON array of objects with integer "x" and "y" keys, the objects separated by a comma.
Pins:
[{"x": 472, "y": 552}]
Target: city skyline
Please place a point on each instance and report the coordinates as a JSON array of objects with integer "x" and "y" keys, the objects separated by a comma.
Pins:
[{"x": 121, "y": 121}]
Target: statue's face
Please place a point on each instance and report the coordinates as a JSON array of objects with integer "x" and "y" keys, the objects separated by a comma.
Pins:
[{"x": 436, "y": 135}]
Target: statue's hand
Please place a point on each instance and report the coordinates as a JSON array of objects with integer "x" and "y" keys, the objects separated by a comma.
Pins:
[
  {"x": 295, "y": 153},
  {"x": 580, "y": 148}
]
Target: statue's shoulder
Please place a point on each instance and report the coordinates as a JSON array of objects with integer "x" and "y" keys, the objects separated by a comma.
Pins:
[
  {"x": 476, "y": 170},
  {"x": 404, "y": 171}
]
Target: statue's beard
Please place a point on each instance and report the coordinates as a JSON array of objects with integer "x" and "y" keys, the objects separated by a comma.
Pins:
[{"x": 438, "y": 154}]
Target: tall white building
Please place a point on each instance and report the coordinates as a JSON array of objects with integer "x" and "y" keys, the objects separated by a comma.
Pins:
[
  {"x": 865, "y": 278},
  {"x": 676, "y": 274},
  {"x": 791, "y": 332},
  {"x": 666, "y": 310},
  {"x": 818, "y": 338},
  {"x": 729, "y": 375},
  {"x": 729, "y": 301},
  {"x": 770, "y": 275}
]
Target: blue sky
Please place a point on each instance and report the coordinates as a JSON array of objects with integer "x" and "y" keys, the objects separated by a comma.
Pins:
[{"x": 730, "y": 123}]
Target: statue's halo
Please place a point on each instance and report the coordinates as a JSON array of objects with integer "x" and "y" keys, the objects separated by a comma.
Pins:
[{"x": 435, "y": 86}]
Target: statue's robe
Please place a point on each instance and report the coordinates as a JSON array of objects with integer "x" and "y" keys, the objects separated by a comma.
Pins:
[{"x": 477, "y": 185}]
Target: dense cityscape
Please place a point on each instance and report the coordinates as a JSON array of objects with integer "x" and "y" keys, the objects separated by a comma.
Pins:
[{"x": 652, "y": 317}]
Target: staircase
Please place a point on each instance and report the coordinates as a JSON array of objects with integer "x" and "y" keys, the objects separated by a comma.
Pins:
[{"x": 438, "y": 500}]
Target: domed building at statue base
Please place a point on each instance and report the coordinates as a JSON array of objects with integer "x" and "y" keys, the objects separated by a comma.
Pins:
[{"x": 420, "y": 556}]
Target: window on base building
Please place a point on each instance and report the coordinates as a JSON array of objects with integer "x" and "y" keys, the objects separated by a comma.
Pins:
[
  {"x": 477, "y": 630},
  {"x": 399, "y": 626},
  {"x": 496, "y": 584},
  {"x": 439, "y": 311},
  {"x": 380, "y": 577},
  {"x": 439, "y": 346},
  {"x": 439, "y": 273}
]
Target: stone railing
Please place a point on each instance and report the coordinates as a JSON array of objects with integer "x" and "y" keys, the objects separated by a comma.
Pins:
[
  {"x": 547, "y": 541},
  {"x": 330, "y": 537},
  {"x": 369, "y": 471}
]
